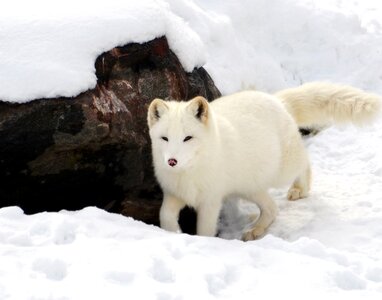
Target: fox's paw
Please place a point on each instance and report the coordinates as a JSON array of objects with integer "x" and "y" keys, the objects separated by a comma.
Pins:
[
  {"x": 253, "y": 234},
  {"x": 295, "y": 193}
]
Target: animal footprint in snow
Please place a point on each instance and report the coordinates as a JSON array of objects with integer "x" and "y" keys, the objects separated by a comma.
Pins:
[
  {"x": 121, "y": 277},
  {"x": 53, "y": 269},
  {"x": 65, "y": 233},
  {"x": 162, "y": 272}
]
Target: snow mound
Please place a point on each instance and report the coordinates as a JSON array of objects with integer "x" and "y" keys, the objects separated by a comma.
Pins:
[
  {"x": 109, "y": 256},
  {"x": 48, "y": 49}
]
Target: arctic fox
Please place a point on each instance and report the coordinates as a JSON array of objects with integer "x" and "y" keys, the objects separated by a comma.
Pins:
[{"x": 241, "y": 145}]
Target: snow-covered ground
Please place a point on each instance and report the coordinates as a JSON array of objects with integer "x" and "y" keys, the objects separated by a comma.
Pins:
[{"x": 328, "y": 245}]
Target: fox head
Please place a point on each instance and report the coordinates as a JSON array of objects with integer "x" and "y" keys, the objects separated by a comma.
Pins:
[{"x": 178, "y": 132}]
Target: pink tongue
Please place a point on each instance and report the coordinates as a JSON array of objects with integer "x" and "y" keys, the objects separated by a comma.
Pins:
[{"x": 172, "y": 162}]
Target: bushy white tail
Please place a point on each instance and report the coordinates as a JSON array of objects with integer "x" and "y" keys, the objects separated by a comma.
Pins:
[{"x": 322, "y": 103}]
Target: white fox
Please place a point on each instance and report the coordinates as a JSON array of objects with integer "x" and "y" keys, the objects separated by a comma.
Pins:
[{"x": 241, "y": 145}]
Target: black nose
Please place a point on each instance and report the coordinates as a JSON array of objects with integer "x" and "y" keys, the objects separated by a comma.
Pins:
[{"x": 172, "y": 162}]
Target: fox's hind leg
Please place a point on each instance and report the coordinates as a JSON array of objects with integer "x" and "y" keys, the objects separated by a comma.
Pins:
[
  {"x": 268, "y": 212},
  {"x": 301, "y": 186}
]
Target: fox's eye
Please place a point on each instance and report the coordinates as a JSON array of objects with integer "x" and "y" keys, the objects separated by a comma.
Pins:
[
  {"x": 164, "y": 138},
  {"x": 187, "y": 138}
]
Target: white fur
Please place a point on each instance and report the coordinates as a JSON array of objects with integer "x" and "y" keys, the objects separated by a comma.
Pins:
[
  {"x": 322, "y": 103},
  {"x": 242, "y": 145}
]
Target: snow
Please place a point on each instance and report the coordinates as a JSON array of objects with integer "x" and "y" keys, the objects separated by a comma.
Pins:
[
  {"x": 48, "y": 48},
  {"x": 325, "y": 246}
]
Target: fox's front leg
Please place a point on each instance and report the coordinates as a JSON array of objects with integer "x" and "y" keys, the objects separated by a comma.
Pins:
[
  {"x": 169, "y": 213},
  {"x": 208, "y": 215}
]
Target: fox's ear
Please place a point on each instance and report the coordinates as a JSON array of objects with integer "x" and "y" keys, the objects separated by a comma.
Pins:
[
  {"x": 199, "y": 108},
  {"x": 157, "y": 108}
]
